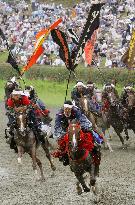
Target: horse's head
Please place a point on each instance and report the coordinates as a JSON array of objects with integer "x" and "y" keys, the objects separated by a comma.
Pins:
[
  {"x": 112, "y": 99},
  {"x": 98, "y": 96},
  {"x": 131, "y": 100},
  {"x": 84, "y": 104},
  {"x": 74, "y": 129},
  {"x": 21, "y": 120}
]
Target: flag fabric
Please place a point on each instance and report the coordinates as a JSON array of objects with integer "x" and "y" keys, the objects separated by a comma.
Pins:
[
  {"x": 40, "y": 36},
  {"x": 129, "y": 56},
  {"x": 11, "y": 59},
  {"x": 59, "y": 38},
  {"x": 71, "y": 33},
  {"x": 89, "y": 48},
  {"x": 43, "y": 31},
  {"x": 91, "y": 25},
  {"x": 41, "y": 40},
  {"x": 43, "y": 34},
  {"x": 33, "y": 59},
  {"x": 124, "y": 58}
]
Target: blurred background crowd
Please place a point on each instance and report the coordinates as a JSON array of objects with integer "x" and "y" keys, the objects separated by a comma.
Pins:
[{"x": 20, "y": 21}]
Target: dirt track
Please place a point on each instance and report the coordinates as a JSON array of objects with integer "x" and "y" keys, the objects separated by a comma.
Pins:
[{"x": 116, "y": 183}]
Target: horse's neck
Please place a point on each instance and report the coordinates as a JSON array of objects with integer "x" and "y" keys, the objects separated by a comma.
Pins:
[
  {"x": 86, "y": 107},
  {"x": 114, "y": 112}
]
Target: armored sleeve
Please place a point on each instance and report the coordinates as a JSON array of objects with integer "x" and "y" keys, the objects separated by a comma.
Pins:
[
  {"x": 85, "y": 123},
  {"x": 58, "y": 130},
  {"x": 74, "y": 96}
]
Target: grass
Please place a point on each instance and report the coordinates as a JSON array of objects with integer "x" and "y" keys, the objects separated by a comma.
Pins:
[
  {"x": 52, "y": 93},
  {"x": 3, "y": 57},
  {"x": 63, "y": 2}
]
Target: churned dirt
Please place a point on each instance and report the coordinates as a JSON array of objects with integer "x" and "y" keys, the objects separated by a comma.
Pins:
[{"x": 116, "y": 183}]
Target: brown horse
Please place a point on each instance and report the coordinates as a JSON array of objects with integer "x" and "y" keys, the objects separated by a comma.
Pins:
[
  {"x": 114, "y": 118},
  {"x": 131, "y": 100},
  {"x": 84, "y": 106},
  {"x": 131, "y": 111},
  {"x": 26, "y": 141},
  {"x": 80, "y": 159},
  {"x": 98, "y": 120}
]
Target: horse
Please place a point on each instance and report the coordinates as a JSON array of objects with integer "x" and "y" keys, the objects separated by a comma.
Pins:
[
  {"x": 131, "y": 111},
  {"x": 97, "y": 119},
  {"x": 26, "y": 141},
  {"x": 114, "y": 118},
  {"x": 84, "y": 106},
  {"x": 80, "y": 159}
]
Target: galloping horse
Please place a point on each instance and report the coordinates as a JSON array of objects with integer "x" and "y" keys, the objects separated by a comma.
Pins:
[
  {"x": 131, "y": 111},
  {"x": 84, "y": 106},
  {"x": 97, "y": 119},
  {"x": 114, "y": 118},
  {"x": 26, "y": 140},
  {"x": 80, "y": 158}
]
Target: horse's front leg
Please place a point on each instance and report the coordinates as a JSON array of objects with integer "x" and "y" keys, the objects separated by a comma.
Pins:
[
  {"x": 82, "y": 182},
  {"x": 33, "y": 156},
  {"x": 40, "y": 167},
  {"x": 92, "y": 175},
  {"x": 46, "y": 149},
  {"x": 126, "y": 133},
  {"x": 106, "y": 137},
  {"x": 20, "y": 153},
  {"x": 121, "y": 139}
]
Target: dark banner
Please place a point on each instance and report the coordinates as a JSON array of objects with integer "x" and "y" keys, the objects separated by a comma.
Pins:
[
  {"x": 13, "y": 62},
  {"x": 91, "y": 25},
  {"x": 11, "y": 59},
  {"x": 60, "y": 39}
]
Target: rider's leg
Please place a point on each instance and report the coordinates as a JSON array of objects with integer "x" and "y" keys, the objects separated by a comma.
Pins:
[{"x": 9, "y": 134}]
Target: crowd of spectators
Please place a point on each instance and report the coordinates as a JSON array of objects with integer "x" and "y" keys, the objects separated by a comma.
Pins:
[{"x": 20, "y": 22}]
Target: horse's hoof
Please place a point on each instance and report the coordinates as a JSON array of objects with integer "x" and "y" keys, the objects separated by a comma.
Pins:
[
  {"x": 97, "y": 200},
  {"x": 94, "y": 189},
  {"x": 86, "y": 189},
  {"x": 42, "y": 179},
  {"x": 124, "y": 146},
  {"x": 19, "y": 161},
  {"x": 79, "y": 191},
  {"x": 111, "y": 150},
  {"x": 53, "y": 168}
]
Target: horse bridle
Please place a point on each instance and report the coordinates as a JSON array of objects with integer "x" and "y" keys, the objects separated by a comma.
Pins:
[{"x": 24, "y": 132}]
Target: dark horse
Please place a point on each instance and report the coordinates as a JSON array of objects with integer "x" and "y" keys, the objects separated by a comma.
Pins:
[
  {"x": 131, "y": 111},
  {"x": 97, "y": 119},
  {"x": 80, "y": 159},
  {"x": 114, "y": 118},
  {"x": 26, "y": 141}
]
